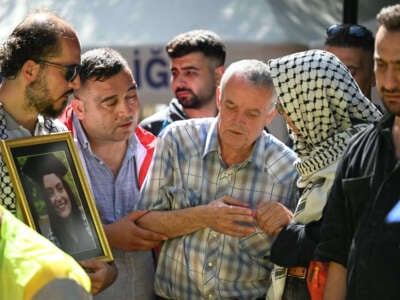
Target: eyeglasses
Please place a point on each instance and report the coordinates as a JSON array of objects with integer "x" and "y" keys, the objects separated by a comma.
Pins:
[
  {"x": 71, "y": 71},
  {"x": 352, "y": 30},
  {"x": 279, "y": 108}
]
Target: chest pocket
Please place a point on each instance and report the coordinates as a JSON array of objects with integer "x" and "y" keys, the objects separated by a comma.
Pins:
[{"x": 357, "y": 194}]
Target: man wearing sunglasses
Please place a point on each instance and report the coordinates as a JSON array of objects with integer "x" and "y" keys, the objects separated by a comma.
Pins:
[
  {"x": 39, "y": 64},
  {"x": 354, "y": 46},
  {"x": 70, "y": 71}
]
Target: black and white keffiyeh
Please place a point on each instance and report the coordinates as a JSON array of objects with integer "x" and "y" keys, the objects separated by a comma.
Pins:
[
  {"x": 325, "y": 104},
  {"x": 7, "y": 194},
  {"x": 323, "y": 101}
]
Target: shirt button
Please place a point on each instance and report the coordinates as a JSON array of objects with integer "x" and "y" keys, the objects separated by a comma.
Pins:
[
  {"x": 210, "y": 264},
  {"x": 210, "y": 296}
]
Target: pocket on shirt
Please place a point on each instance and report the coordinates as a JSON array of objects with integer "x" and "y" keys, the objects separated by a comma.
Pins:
[
  {"x": 357, "y": 193},
  {"x": 183, "y": 197}
]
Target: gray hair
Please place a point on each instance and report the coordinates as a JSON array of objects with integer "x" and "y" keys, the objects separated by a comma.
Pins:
[
  {"x": 389, "y": 17},
  {"x": 253, "y": 71}
]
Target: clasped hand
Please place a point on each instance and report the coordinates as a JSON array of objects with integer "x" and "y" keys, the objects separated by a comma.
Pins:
[{"x": 235, "y": 218}]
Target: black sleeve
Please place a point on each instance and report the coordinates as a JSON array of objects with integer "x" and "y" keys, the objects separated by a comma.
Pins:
[
  {"x": 334, "y": 242},
  {"x": 295, "y": 244}
]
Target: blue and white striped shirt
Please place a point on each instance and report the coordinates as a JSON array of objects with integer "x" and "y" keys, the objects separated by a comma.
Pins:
[{"x": 187, "y": 170}]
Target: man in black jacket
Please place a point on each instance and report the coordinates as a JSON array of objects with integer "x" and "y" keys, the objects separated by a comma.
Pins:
[{"x": 357, "y": 236}]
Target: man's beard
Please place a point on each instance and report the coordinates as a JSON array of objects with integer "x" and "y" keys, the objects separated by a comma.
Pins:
[
  {"x": 194, "y": 101},
  {"x": 38, "y": 97}
]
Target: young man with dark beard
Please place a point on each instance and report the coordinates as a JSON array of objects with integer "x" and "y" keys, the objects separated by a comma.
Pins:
[
  {"x": 360, "y": 237},
  {"x": 197, "y": 64}
]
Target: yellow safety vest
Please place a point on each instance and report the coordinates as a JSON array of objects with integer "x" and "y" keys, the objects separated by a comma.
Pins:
[{"x": 28, "y": 261}]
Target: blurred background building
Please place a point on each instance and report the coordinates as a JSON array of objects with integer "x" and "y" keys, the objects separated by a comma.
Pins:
[{"x": 139, "y": 29}]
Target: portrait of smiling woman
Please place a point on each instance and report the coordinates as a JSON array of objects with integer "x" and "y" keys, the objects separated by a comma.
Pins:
[{"x": 69, "y": 228}]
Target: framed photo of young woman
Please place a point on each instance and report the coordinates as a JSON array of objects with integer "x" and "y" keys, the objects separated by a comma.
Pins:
[{"x": 54, "y": 194}]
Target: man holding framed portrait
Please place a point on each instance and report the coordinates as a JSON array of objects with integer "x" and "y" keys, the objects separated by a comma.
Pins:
[{"x": 39, "y": 64}]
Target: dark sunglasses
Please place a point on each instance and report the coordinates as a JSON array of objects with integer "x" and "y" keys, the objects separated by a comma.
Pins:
[
  {"x": 71, "y": 71},
  {"x": 352, "y": 30}
]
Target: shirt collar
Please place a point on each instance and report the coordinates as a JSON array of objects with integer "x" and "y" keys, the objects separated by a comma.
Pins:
[
  {"x": 80, "y": 134},
  {"x": 12, "y": 124},
  {"x": 212, "y": 142},
  {"x": 259, "y": 153},
  {"x": 39, "y": 124},
  {"x": 386, "y": 122},
  {"x": 384, "y": 126}
]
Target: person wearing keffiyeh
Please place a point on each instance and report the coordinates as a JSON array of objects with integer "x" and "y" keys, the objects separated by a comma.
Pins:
[{"x": 324, "y": 108}]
